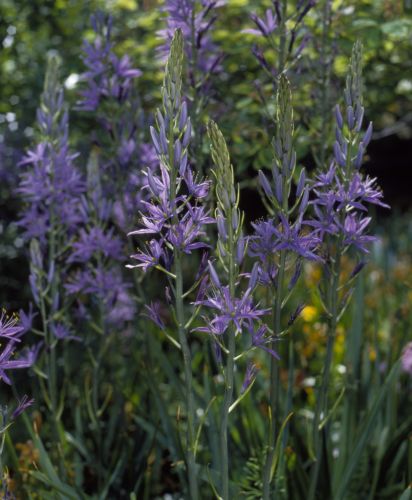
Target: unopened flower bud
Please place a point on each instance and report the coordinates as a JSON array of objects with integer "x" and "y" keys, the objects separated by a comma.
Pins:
[
  {"x": 265, "y": 184},
  {"x": 301, "y": 183},
  {"x": 368, "y": 135},
  {"x": 183, "y": 116},
  {"x": 350, "y": 117},
  {"x": 188, "y": 133},
  {"x": 338, "y": 116},
  {"x": 213, "y": 275}
]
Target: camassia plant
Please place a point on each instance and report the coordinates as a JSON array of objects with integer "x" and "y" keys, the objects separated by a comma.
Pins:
[{"x": 224, "y": 356}]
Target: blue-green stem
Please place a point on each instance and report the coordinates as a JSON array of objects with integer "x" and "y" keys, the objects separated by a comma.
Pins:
[
  {"x": 190, "y": 403},
  {"x": 274, "y": 366},
  {"x": 229, "y": 374},
  {"x": 103, "y": 344},
  {"x": 197, "y": 100},
  {"x": 274, "y": 379},
  {"x": 325, "y": 59},
  {"x": 181, "y": 322},
  {"x": 51, "y": 342},
  {"x": 322, "y": 399},
  {"x": 282, "y": 42}
]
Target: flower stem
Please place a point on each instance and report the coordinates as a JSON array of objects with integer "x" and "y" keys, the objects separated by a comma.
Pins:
[
  {"x": 274, "y": 379},
  {"x": 326, "y": 62},
  {"x": 229, "y": 374},
  {"x": 322, "y": 399},
  {"x": 225, "y": 416},
  {"x": 182, "y": 330},
  {"x": 190, "y": 403}
]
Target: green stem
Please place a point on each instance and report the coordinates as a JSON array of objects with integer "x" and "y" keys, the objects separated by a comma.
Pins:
[
  {"x": 283, "y": 39},
  {"x": 184, "y": 344},
  {"x": 325, "y": 85},
  {"x": 229, "y": 375},
  {"x": 322, "y": 399},
  {"x": 95, "y": 388},
  {"x": 51, "y": 381},
  {"x": 274, "y": 379},
  {"x": 277, "y": 328},
  {"x": 225, "y": 415},
  {"x": 50, "y": 341},
  {"x": 190, "y": 403}
]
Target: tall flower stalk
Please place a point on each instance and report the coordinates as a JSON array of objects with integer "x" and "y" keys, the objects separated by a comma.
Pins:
[
  {"x": 233, "y": 314},
  {"x": 176, "y": 217},
  {"x": 52, "y": 188},
  {"x": 340, "y": 208},
  {"x": 280, "y": 244},
  {"x": 196, "y": 19},
  {"x": 230, "y": 234},
  {"x": 281, "y": 30},
  {"x": 109, "y": 92},
  {"x": 323, "y": 71}
]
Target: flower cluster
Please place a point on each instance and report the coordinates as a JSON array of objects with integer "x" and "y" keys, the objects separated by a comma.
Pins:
[
  {"x": 51, "y": 185},
  {"x": 110, "y": 95},
  {"x": 285, "y": 230},
  {"x": 342, "y": 192},
  {"x": 107, "y": 76},
  {"x": 276, "y": 21},
  {"x": 175, "y": 213},
  {"x": 97, "y": 254},
  {"x": 195, "y": 19},
  {"x": 229, "y": 310}
]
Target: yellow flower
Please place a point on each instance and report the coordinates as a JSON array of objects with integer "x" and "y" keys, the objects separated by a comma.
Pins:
[{"x": 309, "y": 313}]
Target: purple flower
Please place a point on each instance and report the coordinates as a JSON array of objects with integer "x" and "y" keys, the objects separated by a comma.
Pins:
[
  {"x": 200, "y": 189},
  {"x": 202, "y": 54},
  {"x": 353, "y": 229},
  {"x": 22, "y": 406},
  {"x": 269, "y": 239},
  {"x": 26, "y": 320},
  {"x": 175, "y": 214},
  {"x": 9, "y": 327},
  {"x": 359, "y": 192},
  {"x": 183, "y": 236},
  {"x": 7, "y": 363},
  {"x": 108, "y": 91},
  {"x": 251, "y": 372},
  {"x": 296, "y": 314},
  {"x": 229, "y": 310},
  {"x": 95, "y": 240},
  {"x": 153, "y": 312},
  {"x": 260, "y": 339},
  {"x": 107, "y": 75},
  {"x": 406, "y": 359},
  {"x": 105, "y": 283},
  {"x": 342, "y": 194},
  {"x": 50, "y": 183},
  {"x": 29, "y": 356},
  {"x": 155, "y": 254},
  {"x": 269, "y": 24},
  {"x": 62, "y": 332},
  {"x": 265, "y": 26},
  {"x": 53, "y": 181}
]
